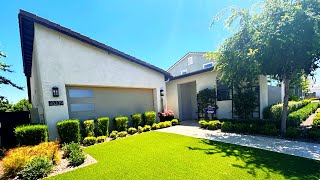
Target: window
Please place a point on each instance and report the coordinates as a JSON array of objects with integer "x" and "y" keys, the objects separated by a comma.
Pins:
[
  {"x": 207, "y": 65},
  {"x": 80, "y": 93},
  {"x": 82, "y": 107},
  {"x": 223, "y": 92},
  {"x": 190, "y": 61},
  {"x": 184, "y": 72}
]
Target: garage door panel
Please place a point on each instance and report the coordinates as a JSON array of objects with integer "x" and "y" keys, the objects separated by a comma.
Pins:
[{"x": 109, "y": 102}]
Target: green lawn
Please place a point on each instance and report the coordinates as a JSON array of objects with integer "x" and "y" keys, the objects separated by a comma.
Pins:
[{"x": 156, "y": 155}]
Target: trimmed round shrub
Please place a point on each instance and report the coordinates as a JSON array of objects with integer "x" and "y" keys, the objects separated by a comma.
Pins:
[
  {"x": 155, "y": 126},
  {"x": 203, "y": 124},
  {"x": 292, "y": 133},
  {"x": 37, "y": 168},
  {"x": 227, "y": 127},
  {"x": 149, "y": 117},
  {"x": 103, "y": 126},
  {"x": 146, "y": 128},
  {"x": 88, "y": 141},
  {"x": 88, "y": 128},
  {"x": 161, "y": 125},
  {"x": 213, "y": 125},
  {"x": 174, "y": 122},
  {"x": 113, "y": 134},
  {"x": 121, "y": 123},
  {"x": 167, "y": 123},
  {"x": 31, "y": 134},
  {"x": 132, "y": 130},
  {"x": 101, "y": 139},
  {"x": 122, "y": 134},
  {"x": 314, "y": 133},
  {"x": 140, "y": 129},
  {"x": 136, "y": 119},
  {"x": 69, "y": 131}
]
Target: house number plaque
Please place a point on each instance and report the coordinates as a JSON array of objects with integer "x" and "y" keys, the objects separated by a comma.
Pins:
[{"x": 55, "y": 103}]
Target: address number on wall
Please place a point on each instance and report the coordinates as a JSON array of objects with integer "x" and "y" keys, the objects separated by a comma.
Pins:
[{"x": 55, "y": 103}]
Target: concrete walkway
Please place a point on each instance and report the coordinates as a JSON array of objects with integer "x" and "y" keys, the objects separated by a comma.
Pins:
[{"x": 302, "y": 149}]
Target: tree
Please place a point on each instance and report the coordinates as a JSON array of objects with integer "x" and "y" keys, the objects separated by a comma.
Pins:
[
  {"x": 22, "y": 105},
  {"x": 279, "y": 38},
  {"x": 5, "y": 106},
  {"x": 6, "y": 68}
]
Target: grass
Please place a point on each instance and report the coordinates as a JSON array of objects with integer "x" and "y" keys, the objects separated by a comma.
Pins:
[{"x": 156, "y": 155}]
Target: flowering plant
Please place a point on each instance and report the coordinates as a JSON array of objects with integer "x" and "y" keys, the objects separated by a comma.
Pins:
[{"x": 166, "y": 115}]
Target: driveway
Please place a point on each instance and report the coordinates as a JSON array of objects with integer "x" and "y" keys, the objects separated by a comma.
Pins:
[{"x": 296, "y": 148}]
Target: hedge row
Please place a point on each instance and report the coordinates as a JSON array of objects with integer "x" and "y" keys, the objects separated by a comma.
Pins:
[
  {"x": 295, "y": 118},
  {"x": 275, "y": 111},
  {"x": 31, "y": 134}
]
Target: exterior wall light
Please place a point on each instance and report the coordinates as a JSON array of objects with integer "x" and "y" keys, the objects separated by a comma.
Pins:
[
  {"x": 161, "y": 92},
  {"x": 55, "y": 92}
]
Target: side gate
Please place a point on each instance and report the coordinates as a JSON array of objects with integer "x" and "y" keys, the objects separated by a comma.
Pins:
[{"x": 8, "y": 121}]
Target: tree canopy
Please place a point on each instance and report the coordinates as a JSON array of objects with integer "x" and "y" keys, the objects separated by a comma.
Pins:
[
  {"x": 279, "y": 38},
  {"x": 6, "y": 68}
]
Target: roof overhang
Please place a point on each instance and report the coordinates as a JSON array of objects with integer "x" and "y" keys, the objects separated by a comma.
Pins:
[
  {"x": 26, "y": 26},
  {"x": 191, "y": 74}
]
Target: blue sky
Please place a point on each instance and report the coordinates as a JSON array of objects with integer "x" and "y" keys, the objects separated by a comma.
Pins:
[{"x": 157, "y": 31}]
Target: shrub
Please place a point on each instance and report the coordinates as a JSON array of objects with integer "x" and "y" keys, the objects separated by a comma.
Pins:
[
  {"x": 149, "y": 117},
  {"x": 136, "y": 119},
  {"x": 174, "y": 122},
  {"x": 88, "y": 127},
  {"x": 155, "y": 126},
  {"x": 275, "y": 111},
  {"x": 270, "y": 129},
  {"x": 203, "y": 124},
  {"x": 103, "y": 126},
  {"x": 161, "y": 125},
  {"x": 17, "y": 158},
  {"x": 140, "y": 129},
  {"x": 67, "y": 148},
  {"x": 168, "y": 123},
  {"x": 31, "y": 134},
  {"x": 296, "y": 117},
  {"x": 132, "y": 130},
  {"x": 314, "y": 133},
  {"x": 76, "y": 157},
  {"x": 121, "y": 123},
  {"x": 213, "y": 125},
  {"x": 88, "y": 141},
  {"x": 114, "y": 134},
  {"x": 292, "y": 133},
  {"x": 146, "y": 128},
  {"x": 101, "y": 139},
  {"x": 38, "y": 167},
  {"x": 122, "y": 134},
  {"x": 227, "y": 127},
  {"x": 69, "y": 131}
]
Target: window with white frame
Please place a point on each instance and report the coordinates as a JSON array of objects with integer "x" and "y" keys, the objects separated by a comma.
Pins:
[
  {"x": 184, "y": 72},
  {"x": 207, "y": 65},
  {"x": 190, "y": 60}
]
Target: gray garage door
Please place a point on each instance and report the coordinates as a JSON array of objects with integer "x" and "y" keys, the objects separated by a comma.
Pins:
[{"x": 91, "y": 103}]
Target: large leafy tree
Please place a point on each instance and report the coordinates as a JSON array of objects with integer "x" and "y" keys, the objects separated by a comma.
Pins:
[{"x": 279, "y": 38}]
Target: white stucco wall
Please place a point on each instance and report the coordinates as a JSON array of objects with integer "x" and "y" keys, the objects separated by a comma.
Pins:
[
  {"x": 63, "y": 61},
  {"x": 208, "y": 80},
  {"x": 203, "y": 80}
]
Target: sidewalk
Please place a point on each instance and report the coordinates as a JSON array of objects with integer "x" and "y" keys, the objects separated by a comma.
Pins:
[{"x": 296, "y": 148}]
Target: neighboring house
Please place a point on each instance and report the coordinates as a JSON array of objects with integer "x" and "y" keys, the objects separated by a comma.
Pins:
[
  {"x": 191, "y": 62},
  {"x": 72, "y": 76}
]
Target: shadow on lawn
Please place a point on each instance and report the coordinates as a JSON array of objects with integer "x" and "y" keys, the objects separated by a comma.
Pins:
[{"x": 265, "y": 161}]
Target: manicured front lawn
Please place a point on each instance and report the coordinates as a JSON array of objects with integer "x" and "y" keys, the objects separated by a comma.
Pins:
[{"x": 156, "y": 155}]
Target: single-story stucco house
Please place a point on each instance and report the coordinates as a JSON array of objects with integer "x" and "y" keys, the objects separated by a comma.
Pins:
[{"x": 72, "y": 76}]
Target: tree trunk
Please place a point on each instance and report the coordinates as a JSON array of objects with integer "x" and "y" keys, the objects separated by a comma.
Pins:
[{"x": 285, "y": 107}]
